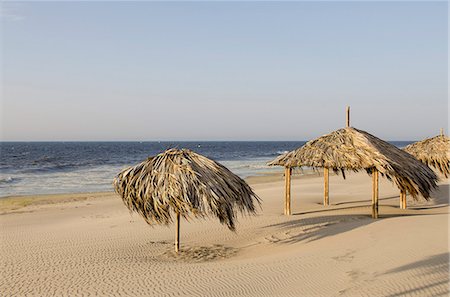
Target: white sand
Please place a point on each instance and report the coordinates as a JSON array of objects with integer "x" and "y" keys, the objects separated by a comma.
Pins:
[{"x": 89, "y": 244}]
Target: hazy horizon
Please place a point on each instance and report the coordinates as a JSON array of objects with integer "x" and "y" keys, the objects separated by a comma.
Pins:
[
  {"x": 182, "y": 141},
  {"x": 222, "y": 71}
]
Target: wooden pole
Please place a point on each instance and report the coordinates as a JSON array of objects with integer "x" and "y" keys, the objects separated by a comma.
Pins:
[
  {"x": 287, "y": 196},
  {"x": 403, "y": 199},
  {"x": 374, "y": 193},
  {"x": 348, "y": 117},
  {"x": 326, "y": 188},
  {"x": 177, "y": 237},
  {"x": 442, "y": 131}
]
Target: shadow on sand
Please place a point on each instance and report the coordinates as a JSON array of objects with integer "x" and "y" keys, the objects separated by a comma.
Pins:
[
  {"x": 437, "y": 266},
  {"x": 364, "y": 201},
  {"x": 313, "y": 228},
  {"x": 440, "y": 197}
]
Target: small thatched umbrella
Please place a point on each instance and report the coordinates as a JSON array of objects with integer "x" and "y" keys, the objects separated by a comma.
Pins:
[
  {"x": 353, "y": 149},
  {"x": 435, "y": 152},
  {"x": 181, "y": 182}
]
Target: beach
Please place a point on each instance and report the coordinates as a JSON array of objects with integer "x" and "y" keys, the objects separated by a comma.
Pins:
[
  {"x": 224, "y": 148},
  {"x": 90, "y": 244}
]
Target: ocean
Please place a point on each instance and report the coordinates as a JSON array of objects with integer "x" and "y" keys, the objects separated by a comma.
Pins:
[{"x": 70, "y": 167}]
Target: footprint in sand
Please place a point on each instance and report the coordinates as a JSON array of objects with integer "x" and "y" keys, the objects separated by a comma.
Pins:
[
  {"x": 347, "y": 257},
  {"x": 201, "y": 254}
]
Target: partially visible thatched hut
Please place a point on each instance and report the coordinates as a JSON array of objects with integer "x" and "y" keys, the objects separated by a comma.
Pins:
[
  {"x": 353, "y": 149},
  {"x": 180, "y": 182},
  {"x": 435, "y": 152}
]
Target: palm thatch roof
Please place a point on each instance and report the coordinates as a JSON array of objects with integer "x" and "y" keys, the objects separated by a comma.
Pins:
[
  {"x": 353, "y": 149},
  {"x": 180, "y": 181},
  {"x": 435, "y": 152}
]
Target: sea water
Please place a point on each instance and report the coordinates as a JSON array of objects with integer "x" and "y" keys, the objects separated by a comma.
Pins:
[{"x": 70, "y": 167}]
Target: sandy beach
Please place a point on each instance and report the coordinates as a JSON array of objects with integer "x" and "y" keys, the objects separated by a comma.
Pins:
[
  {"x": 90, "y": 244},
  {"x": 240, "y": 113}
]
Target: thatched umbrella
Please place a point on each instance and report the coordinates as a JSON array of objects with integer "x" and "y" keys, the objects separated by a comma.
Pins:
[
  {"x": 435, "y": 152},
  {"x": 353, "y": 149},
  {"x": 180, "y": 182}
]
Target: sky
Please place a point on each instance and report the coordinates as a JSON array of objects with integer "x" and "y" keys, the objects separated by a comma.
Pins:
[{"x": 149, "y": 71}]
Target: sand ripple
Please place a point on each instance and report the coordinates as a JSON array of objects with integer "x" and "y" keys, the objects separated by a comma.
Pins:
[{"x": 97, "y": 249}]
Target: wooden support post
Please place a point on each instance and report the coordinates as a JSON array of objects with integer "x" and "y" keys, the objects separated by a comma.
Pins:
[
  {"x": 374, "y": 193},
  {"x": 326, "y": 188},
  {"x": 287, "y": 196},
  {"x": 348, "y": 117},
  {"x": 403, "y": 199},
  {"x": 177, "y": 237}
]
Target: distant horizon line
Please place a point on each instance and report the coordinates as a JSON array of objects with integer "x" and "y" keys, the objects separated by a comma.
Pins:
[{"x": 175, "y": 140}]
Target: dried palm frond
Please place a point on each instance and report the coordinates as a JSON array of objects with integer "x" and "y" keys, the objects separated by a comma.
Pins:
[
  {"x": 353, "y": 149},
  {"x": 180, "y": 181},
  {"x": 435, "y": 152}
]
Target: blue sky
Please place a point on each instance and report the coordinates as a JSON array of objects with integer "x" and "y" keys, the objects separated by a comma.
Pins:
[{"x": 222, "y": 70}]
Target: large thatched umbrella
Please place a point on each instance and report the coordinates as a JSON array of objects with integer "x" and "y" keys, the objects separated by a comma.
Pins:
[
  {"x": 353, "y": 149},
  {"x": 435, "y": 152},
  {"x": 180, "y": 182}
]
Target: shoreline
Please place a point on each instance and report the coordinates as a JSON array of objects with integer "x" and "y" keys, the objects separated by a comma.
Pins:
[
  {"x": 16, "y": 202},
  {"x": 9, "y": 204}
]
